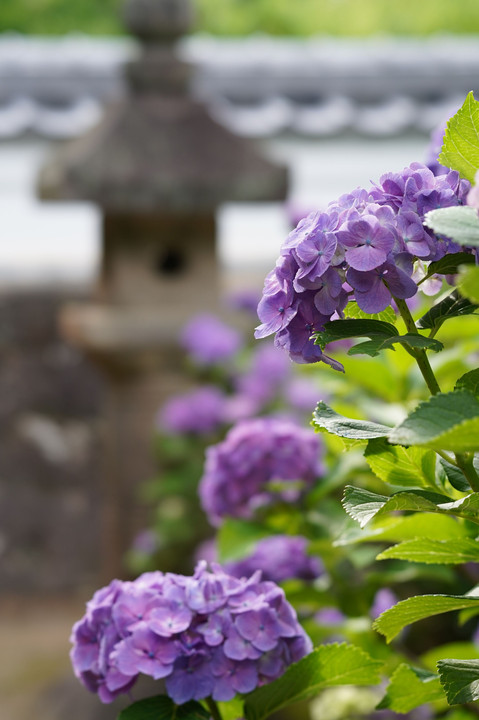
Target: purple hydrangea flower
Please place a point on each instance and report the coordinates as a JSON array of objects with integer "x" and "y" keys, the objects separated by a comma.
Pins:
[
  {"x": 279, "y": 557},
  {"x": 329, "y": 616},
  {"x": 197, "y": 412},
  {"x": 145, "y": 542},
  {"x": 367, "y": 240},
  {"x": 374, "y": 289},
  {"x": 362, "y": 248},
  {"x": 226, "y": 635},
  {"x": 209, "y": 341},
  {"x": 383, "y": 600},
  {"x": 268, "y": 370},
  {"x": 254, "y": 454},
  {"x": 276, "y": 312},
  {"x": 246, "y": 300}
]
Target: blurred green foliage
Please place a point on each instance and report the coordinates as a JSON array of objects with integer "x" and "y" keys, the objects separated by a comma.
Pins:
[{"x": 242, "y": 17}]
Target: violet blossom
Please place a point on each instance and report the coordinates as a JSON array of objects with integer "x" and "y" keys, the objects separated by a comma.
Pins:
[
  {"x": 197, "y": 412},
  {"x": 363, "y": 248},
  {"x": 383, "y": 600},
  {"x": 210, "y": 341},
  {"x": 279, "y": 557},
  {"x": 207, "y": 635},
  {"x": 256, "y": 453}
]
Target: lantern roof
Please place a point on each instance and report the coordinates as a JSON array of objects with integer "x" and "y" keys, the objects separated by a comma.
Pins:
[{"x": 158, "y": 149}]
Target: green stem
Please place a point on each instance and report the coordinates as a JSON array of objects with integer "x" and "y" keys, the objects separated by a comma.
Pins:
[
  {"x": 446, "y": 457},
  {"x": 463, "y": 461},
  {"x": 213, "y": 708},
  {"x": 420, "y": 356}
]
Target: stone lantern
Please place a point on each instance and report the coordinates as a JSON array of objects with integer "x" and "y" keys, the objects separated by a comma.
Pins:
[{"x": 158, "y": 166}]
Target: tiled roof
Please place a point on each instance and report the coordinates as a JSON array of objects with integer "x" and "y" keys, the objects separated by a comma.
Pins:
[{"x": 258, "y": 87}]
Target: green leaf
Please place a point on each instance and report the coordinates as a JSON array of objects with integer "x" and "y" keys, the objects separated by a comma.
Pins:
[
  {"x": 455, "y": 476},
  {"x": 406, "y": 527},
  {"x": 451, "y": 306},
  {"x": 325, "y": 418},
  {"x": 450, "y": 264},
  {"x": 391, "y": 622},
  {"x": 362, "y": 505},
  {"x": 352, "y": 310},
  {"x": 401, "y": 466},
  {"x": 419, "y": 341},
  {"x": 460, "y": 150},
  {"x": 468, "y": 284},
  {"x": 410, "y": 687},
  {"x": 469, "y": 381},
  {"x": 326, "y": 666},
  {"x": 343, "y": 329},
  {"x": 460, "y": 223},
  {"x": 161, "y": 707},
  {"x": 466, "y": 507},
  {"x": 374, "y": 347},
  {"x": 237, "y": 538},
  {"x": 447, "y": 421},
  {"x": 460, "y": 680},
  {"x": 440, "y": 552}
]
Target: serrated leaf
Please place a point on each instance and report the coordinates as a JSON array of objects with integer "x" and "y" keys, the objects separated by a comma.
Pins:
[
  {"x": 370, "y": 347},
  {"x": 161, "y": 707},
  {"x": 468, "y": 284},
  {"x": 325, "y": 418},
  {"x": 375, "y": 346},
  {"x": 344, "y": 329},
  {"x": 352, "y": 310},
  {"x": 391, "y": 622},
  {"x": 455, "y": 476},
  {"x": 440, "y": 552},
  {"x": 460, "y": 223},
  {"x": 469, "y": 381},
  {"x": 362, "y": 505},
  {"x": 326, "y": 666},
  {"x": 407, "y": 527},
  {"x": 451, "y": 306},
  {"x": 466, "y": 507},
  {"x": 460, "y": 680},
  {"x": 419, "y": 341},
  {"x": 401, "y": 466},
  {"x": 410, "y": 687},
  {"x": 447, "y": 421},
  {"x": 460, "y": 150},
  {"x": 450, "y": 264},
  {"x": 237, "y": 538}
]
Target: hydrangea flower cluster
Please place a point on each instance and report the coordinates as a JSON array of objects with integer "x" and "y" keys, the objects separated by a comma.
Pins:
[
  {"x": 266, "y": 380},
  {"x": 196, "y": 412},
  {"x": 363, "y": 247},
  {"x": 256, "y": 453},
  {"x": 279, "y": 557},
  {"x": 209, "y": 341},
  {"x": 209, "y": 635}
]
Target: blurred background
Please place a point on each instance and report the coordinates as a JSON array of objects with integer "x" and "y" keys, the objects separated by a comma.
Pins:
[{"x": 151, "y": 162}]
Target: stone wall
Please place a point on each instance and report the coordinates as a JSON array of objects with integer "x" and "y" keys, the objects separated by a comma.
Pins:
[{"x": 50, "y": 428}]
